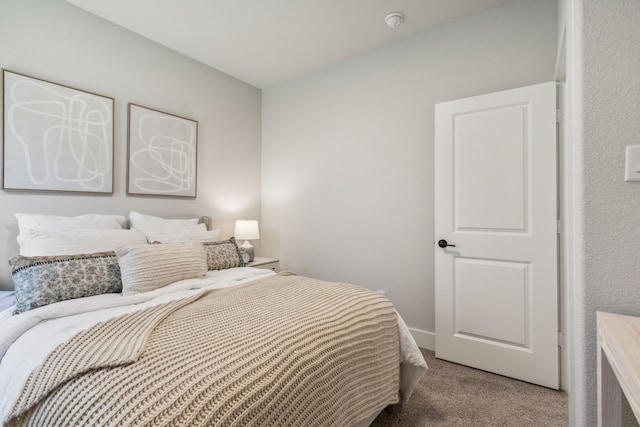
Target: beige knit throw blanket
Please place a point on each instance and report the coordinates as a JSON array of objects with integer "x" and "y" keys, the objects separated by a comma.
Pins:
[{"x": 283, "y": 351}]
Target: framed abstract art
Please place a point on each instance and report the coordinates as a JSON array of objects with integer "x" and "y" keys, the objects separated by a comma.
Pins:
[
  {"x": 162, "y": 153},
  {"x": 55, "y": 137}
]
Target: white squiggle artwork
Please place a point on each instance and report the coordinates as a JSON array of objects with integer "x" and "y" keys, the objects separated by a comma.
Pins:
[
  {"x": 56, "y": 138},
  {"x": 162, "y": 153}
]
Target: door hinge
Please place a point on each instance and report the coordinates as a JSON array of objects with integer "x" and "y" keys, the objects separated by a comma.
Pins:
[
  {"x": 558, "y": 226},
  {"x": 558, "y": 115},
  {"x": 560, "y": 340}
]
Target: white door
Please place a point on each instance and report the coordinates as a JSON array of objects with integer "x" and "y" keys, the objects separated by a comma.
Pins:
[{"x": 495, "y": 200}]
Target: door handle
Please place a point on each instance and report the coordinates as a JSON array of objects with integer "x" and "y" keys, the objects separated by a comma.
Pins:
[{"x": 443, "y": 243}]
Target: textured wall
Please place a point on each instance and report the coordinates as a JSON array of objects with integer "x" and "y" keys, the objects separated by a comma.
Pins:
[
  {"x": 609, "y": 109},
  {"x": 53, "y": 40},
  {"x": 348, "y": 151}
]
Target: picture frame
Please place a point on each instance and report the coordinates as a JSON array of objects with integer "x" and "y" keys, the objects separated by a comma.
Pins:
[
  {"x": 162, "y": 153},
  {"x": 55, "y": 137}
]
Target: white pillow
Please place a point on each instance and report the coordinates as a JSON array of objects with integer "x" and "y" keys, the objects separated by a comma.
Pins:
[
  {"x": 150, "y": 223},
  {"x": 183, "y": 235},
  {"x": 74, "y": 242},
  {"x": 27, "y": 222},
  {"x": 144, "y": 268}
]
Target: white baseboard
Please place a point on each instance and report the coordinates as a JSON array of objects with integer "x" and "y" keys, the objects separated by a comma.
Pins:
[{"x": 424, "y": 339}]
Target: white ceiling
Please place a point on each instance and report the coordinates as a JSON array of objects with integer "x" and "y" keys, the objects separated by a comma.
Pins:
[{"x": 267, "y": 42}]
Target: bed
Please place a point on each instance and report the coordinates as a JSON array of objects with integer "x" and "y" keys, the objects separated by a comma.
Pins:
[{"x": 181, "y": 333}]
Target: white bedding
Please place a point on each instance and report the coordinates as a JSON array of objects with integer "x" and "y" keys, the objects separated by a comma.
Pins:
[
  {"x": 7, "y": 305},
  {"x": 27, "y": 338}
]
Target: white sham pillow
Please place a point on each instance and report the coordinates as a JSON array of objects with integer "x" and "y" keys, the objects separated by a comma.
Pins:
[
  {"x": 138, "y": 221},
  {"x": 186, "y": 235},
  {"x": 53, "y": 223},
  {"x": 74, "y": 242}
]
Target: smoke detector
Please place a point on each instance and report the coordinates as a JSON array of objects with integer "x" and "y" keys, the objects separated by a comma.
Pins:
[{"x": 393, "y": 19}]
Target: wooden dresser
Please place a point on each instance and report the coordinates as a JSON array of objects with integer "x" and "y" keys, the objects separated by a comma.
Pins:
[{"x": 618, "y": 370}]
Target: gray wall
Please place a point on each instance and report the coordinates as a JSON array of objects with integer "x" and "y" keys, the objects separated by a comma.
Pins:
[
  {"x": 605, "y": 59},
  {"x": 347, "y": 182},
  {"x": 53, "y": 40}
]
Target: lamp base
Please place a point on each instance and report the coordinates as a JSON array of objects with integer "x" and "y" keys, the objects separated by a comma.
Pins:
[{"x": 248, "y": 248}]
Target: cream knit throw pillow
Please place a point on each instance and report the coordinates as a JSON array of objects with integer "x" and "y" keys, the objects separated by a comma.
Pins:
[{"x": 148, "y": 267}]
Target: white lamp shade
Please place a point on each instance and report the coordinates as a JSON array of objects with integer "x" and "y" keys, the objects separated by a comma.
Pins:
[{"x": 247, "y": 229}]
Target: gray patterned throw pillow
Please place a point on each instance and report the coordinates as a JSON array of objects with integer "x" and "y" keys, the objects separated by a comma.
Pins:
[
  {"x": 44, "y": 280},
  {"x": 222, "y": 255}
]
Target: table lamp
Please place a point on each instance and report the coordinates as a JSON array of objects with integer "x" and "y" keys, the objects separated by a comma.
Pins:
[{"x": 247, "y": 229}]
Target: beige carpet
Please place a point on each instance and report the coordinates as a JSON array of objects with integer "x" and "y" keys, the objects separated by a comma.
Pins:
[{"x": 455, "y": 395}]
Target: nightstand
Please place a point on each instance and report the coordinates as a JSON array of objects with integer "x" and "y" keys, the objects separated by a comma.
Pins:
[{"x": 266, "y": 263}]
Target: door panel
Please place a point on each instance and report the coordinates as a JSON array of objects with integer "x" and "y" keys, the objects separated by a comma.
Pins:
[
  {"x": 490, "y": 151},
  {"x": 484, "y": 288},
  {"x": 495, "y": 195}
]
